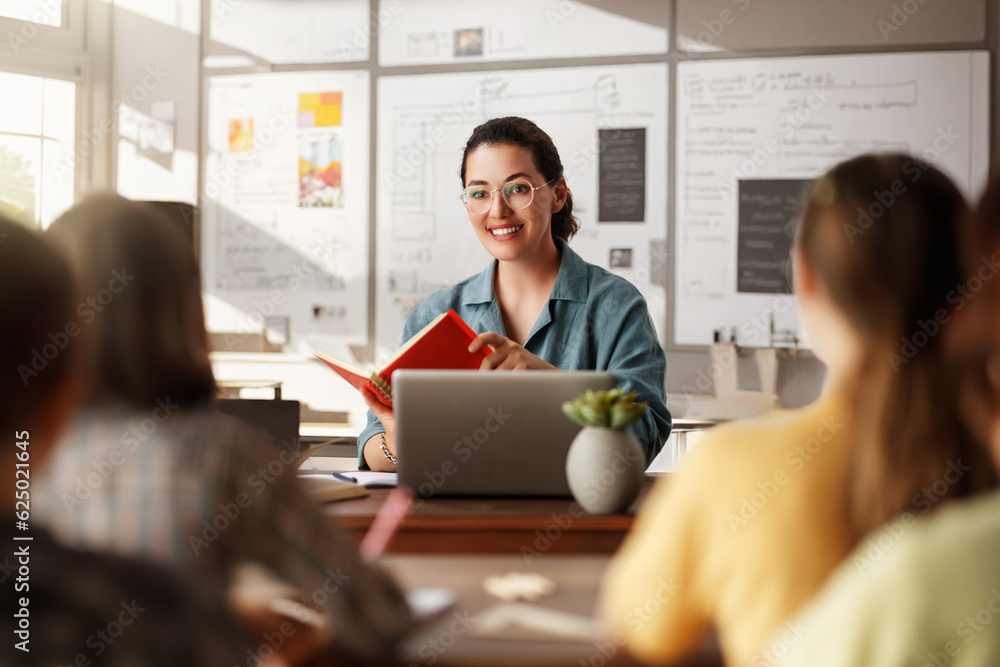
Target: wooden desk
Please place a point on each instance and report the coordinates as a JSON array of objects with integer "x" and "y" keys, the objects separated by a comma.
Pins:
[
  {"x": 453, "y": 639},
  {"x": 492, "y": 525}
]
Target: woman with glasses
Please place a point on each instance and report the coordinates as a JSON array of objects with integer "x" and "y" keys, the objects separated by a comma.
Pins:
[{"x": 538, "y": 305}]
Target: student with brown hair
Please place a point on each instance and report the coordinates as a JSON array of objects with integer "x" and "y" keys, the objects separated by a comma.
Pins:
[
  {"x": 149, "y": 468},
  {"x": 61, "y": 605},
  {"x": 758, "y": 515},
  {"x": 927, "y": 591}
]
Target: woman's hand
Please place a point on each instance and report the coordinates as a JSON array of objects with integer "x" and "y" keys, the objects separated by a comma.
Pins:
[
  {"x": 374, "y": 455},
  {"x": 507, "y": 355}
]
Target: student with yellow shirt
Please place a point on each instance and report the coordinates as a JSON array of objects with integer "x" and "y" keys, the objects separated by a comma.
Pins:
[
  {"x": 758, "y": 515},
  {"x": 927, "y": 591}
]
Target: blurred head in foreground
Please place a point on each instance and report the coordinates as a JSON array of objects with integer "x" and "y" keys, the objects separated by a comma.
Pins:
[
  {"x": 140, "y": 304},
  {"x": 39, "y": 342},
  {"x": 878, "y": 273}
]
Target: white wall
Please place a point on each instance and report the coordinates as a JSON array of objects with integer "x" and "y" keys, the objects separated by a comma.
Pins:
[{"x": 156, "y": 53}]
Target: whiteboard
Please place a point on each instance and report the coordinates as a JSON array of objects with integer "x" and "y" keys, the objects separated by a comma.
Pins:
[
  {"x": 793, "y": 118},
  {"x": 289, "y": 32},
  {"x": 451, "y": 31},
  {"x": 285, "y": 205},
  {"x": 424, "y": 238}
]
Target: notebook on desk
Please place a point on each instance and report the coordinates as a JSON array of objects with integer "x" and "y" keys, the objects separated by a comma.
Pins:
[{"x": 496, "y": 433}]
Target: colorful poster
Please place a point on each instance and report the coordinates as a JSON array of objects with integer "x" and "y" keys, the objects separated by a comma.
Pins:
[
  {"x": 320, "y": 160},
  {"x": 240, "y": 135},
  {"x": 319, "y": 109},
  {"x": 321, "y": 152},
  {"x": 285, "y": 207}
]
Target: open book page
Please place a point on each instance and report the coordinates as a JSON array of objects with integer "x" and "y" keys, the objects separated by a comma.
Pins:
[
  {"x": 352, "y": 374},
  {"x": 357, "y": 377}
]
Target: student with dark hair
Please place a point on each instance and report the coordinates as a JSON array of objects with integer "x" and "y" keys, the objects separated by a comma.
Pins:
[
  {"x": 762, "y": 511},
  {"x": 926, "y": 591},
  {"x": 150, "y": 468},
  {"x": 64, "y": 606},
  {"x": 538, "y": 304}
]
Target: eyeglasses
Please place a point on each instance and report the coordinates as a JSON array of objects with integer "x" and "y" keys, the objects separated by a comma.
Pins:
[{"x": 518, "y": 194}]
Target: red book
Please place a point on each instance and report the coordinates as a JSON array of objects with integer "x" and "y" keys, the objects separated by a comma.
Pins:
[{"x": 442, "y": 344}]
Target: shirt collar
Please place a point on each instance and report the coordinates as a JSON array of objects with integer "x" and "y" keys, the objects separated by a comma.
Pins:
[
  {"x": 571, "y": 281},
  {"x": 480, "y": 288}
]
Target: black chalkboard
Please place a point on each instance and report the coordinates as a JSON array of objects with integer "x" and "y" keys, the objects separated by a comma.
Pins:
[
  {"x": 622, "y": 175},
  {"x": 769, "y": 211}
]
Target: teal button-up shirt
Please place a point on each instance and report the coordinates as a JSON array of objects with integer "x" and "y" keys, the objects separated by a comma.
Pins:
[{"x": 594, "y": 320}]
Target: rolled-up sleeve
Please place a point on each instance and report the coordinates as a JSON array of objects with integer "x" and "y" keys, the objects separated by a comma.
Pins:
[
  {"x": 636, "y": 358},
  {"x": 414, "y": 323}
]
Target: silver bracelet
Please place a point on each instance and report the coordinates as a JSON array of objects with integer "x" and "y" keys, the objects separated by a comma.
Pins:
[{"x": 385, "y": 450}]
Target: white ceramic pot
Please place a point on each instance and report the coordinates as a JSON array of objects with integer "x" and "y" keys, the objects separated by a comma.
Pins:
[{"x": 605, "y": 469}]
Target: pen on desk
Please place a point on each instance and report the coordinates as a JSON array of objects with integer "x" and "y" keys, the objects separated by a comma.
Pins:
[
  {"x": 390, "y": 515},
  {"x": 344, "y": 478}
]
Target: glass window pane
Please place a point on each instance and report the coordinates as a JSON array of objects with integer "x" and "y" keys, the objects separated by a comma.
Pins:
[
  {"x": 20, "y": 176},
  {"x": 46, "y": 12},
  {"x": 59, "y": 112},
  {"x": 24, "y": 117},
  {"x": 57, "y": 180},
  {"x": 37, "y": 170}
]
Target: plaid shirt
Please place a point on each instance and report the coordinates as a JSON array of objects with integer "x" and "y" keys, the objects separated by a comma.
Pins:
[
  {"x": 200, "y": 489},
  {"x": 109, "y": 610}
]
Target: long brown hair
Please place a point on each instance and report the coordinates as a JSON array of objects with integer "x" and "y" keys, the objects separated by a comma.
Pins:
[
  {"x": 517, "y": 131},
  {"x": 141, "y": 304},
  {"x": 880, "y": 232}
]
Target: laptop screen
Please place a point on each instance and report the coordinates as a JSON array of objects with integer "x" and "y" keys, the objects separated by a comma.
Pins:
[{"x": 487, "y": 433}]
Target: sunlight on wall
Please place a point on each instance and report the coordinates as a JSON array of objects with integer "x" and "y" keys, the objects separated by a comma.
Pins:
[
  {"x": 183, "y": 14},
  {"x": 142, "y": 177}
]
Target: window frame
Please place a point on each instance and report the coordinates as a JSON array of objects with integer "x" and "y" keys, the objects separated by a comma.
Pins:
[
  {"x": 83, "y": 165},
  {"x": 25, "y": 39},
  {"x": 55, "y": 53}
]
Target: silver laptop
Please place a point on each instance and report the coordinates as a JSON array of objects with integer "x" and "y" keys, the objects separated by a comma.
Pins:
[{"x": 487, "y": 433}]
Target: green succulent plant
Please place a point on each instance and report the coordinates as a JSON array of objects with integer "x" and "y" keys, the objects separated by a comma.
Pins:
[{"x": 610, "y": 408}]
